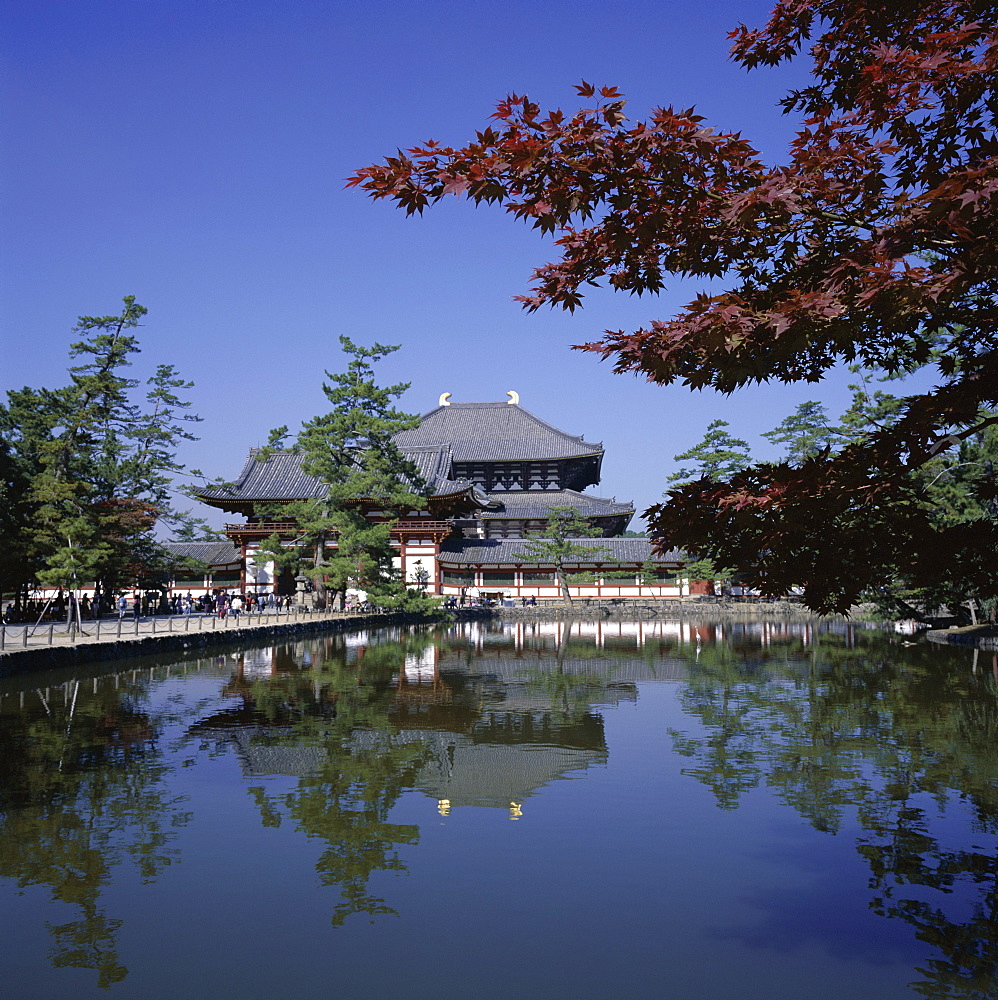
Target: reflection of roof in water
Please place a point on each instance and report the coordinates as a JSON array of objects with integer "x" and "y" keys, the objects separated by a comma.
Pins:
[
  {"x": 471, "y": 773},
  {"x": 261, "y": 756},
  {"x": 504, "y": 757}
]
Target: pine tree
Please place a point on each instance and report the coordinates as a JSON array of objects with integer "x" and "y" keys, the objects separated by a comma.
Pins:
[
  {"x": 352, "y": 451},
  {"x": 91, "y": 466},
  {"x": 558, "y": 544},
  {"x": 804, "y": 433},
  {"x": 718, "y": 456}
]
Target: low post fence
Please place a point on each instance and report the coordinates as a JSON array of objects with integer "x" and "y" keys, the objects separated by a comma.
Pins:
[{"x": 126, "y": 626}]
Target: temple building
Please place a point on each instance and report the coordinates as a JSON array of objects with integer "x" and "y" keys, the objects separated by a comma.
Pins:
[{"x": 493, "y": 471}]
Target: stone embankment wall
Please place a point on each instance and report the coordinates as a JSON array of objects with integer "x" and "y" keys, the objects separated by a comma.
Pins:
[
  {"x": 978, "y": 636},
  {"x": 14, "y": 660},
  {"x": 636, "y": 610}
]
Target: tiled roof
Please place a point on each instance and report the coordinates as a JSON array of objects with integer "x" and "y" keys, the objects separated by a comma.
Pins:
[
  {"x": 280, "y": 476},
  {"x": 277, "y": 477},
  {"x": 219, "y": 553},
  {"x": 537, "y": 504},
  {"x": 509, "y": 551},
  {"x": 433, "y": 462},
  {"x": 495, "y": 432}
]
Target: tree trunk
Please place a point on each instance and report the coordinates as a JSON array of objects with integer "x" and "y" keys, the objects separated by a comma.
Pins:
[
  {"x": 318, "y": 583},
  {"x": 560, "y": 575}
]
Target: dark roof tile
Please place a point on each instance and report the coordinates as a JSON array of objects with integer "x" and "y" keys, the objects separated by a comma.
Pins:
[
  {"x": 538, "y": 504},
  {"x": 495, "y": 432},
  {"x": 508, "y": 551},
  {"x": 280, "y": 476},
  {"x": 218, "y": 553}
]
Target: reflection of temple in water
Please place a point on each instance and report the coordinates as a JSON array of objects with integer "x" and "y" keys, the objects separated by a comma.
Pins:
[
  {"x": 500, "y": 710},
  {"x": 469, "y": 769},
  {"x": 487, "y": 738}
]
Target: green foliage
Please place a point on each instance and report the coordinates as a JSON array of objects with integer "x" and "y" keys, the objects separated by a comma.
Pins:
[
  {"x": 85, "y": 793},
  {"x": 345, "y": 804},
  {"x": 717, "y": 456},
  {"x": 557, "y": 545},
  {"x": 804, "y": 433},
  {"x": 951, "y": 494},
  {"x": 707, "y": 569},
  {"x": 88, "y": 468},
  {"x": 352, "y": 450},
  {"x": 860, "y": 735},
  {"x": 960, "y": 492},
  {"x": 870, "y": 410}
]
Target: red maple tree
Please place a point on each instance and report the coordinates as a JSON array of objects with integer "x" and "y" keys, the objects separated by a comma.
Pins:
[{"x": 873, "y": 244}]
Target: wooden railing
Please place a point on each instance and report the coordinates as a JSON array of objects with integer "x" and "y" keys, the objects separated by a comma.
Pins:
[
  {"x": 417, "y": 525},
  {"x": 401, "y": 530},
  {"x": 264, "y": 528}
]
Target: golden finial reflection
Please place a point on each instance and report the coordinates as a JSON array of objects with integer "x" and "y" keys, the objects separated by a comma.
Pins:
[
  {"x": 443, "y": 807},
  {"x": 515, "y": 810}
]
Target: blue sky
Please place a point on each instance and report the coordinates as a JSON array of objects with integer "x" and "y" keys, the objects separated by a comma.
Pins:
[{"x": 193, "y": 154}]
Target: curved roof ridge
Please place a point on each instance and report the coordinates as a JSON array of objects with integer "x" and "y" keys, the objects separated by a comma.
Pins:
[
  {"x": 544, "y": 423},
  {"x": 526, "y": 504},
  {"x": 497, "y": 431},
  {"x": 280, "y": 476}
]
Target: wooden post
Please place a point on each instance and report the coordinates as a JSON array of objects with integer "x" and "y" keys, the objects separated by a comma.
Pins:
[{"x": 51, "y": 627}]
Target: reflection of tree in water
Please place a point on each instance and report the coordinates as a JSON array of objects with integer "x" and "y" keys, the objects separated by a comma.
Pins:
[
  {"x": 82, "y": 791},
  {"x": 356, "y": 736},
  {"x": 568, "y": 690},
  {"x": 347, "y": 804},
  {"x": 897, "y": 738},
  {"x": 300, "y": 722}
]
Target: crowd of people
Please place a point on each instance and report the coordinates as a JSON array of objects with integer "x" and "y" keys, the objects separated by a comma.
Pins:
[{"x": 142, "y": 605}]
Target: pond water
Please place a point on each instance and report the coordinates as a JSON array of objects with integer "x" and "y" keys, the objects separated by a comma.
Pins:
[{"x": 690, "y": 812}]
